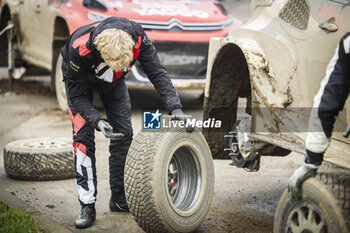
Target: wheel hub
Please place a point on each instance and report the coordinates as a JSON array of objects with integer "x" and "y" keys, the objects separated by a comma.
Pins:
[
  {"x": 306, "y": 218},
  {"x": 44, "y": 143},
  {"x": 172, "y": 178},
  {"x": 184, "y": 179}
]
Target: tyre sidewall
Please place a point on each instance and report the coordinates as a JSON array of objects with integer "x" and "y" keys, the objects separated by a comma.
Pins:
[
  {"x": 191, "y": 219},
  {"x": 314, "y": 192},
  {"x": 59, "y": 87},
  {"x": 26, "y": 163}
]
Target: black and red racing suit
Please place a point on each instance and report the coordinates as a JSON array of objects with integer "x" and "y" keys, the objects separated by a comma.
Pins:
[{"x": 84, "y": 71}]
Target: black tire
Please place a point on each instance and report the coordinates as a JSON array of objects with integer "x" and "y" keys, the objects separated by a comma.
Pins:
[
  {"x": 325, "y": 202},
  {"x": 161, "y": 199},
  {"x": 5, "y": 17},
  {"x": 39, "y": 159},
  {"x": 59, "y": 85},
  {"x": 3, "y": 49}
]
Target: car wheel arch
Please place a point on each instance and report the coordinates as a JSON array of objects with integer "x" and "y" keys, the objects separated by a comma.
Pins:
[
  {"x": 8, "y": 13},
  {"x": 233, "y": 74},
  {"x": 228, "y": 79},
  {"x": 61, "y": 29},
  {"x": 5, "y": 15}
]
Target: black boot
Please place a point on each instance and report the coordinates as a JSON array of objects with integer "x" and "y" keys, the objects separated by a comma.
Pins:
[
  {"x": 87, "y": 216},
  {"x": 117, "y": 203}
]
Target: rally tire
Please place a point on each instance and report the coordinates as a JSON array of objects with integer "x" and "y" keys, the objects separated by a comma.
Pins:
[
  {"x": 326, "y": 196},
  {"x": 4, "y": 19},
  {"x": 59, "y": 85},
  {"x": 147, "y": 183},
  {"x": 3, "y": 49},
  {"x": 132, "y": 174},
  {"x": 29, "y": 160}
]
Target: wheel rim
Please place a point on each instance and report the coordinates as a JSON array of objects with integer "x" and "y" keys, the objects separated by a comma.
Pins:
[
  {"x": 184, "y": 179},
  {"x": 46, "y": 144},
  {"x": 306, "y": 218}
]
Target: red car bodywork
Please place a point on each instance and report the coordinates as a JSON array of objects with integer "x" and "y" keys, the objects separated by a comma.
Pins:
[
  {"x": 180, "y": 31},
  {"x": 201, "y": 12}
]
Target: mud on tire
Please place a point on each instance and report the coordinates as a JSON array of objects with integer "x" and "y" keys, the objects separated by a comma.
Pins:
[
  {"x": 324, "y": 206},
  {"x": 39, "y": 159},
  {"x": 169, "y": 180}
]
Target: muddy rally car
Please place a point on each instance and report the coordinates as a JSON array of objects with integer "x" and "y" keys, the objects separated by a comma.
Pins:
[
  {"x": 180, "y": 30},
  {"x": 261, "y": 81}
]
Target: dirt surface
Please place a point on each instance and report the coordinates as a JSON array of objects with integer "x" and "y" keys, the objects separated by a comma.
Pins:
[{"x": 243, "y": 202}]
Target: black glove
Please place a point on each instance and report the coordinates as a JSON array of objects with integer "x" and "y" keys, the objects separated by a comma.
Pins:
[
  {"x": 178, "y": 114},
  {"x": 107, "y": 130},
  {"x": 299, "y": 176}
]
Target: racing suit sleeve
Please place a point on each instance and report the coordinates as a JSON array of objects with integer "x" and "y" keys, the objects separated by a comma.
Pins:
[
  {"x": 157, "y": 74},
  {"x": 78, "y": 91},
  {"x": 329, "y": 100}
]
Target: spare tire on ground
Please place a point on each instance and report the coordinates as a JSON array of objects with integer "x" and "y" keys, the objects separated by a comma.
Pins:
[
  {"x": 39, "y": 159},
  {"x": 324, "y": 206},
  {"x": 169, "y": 180}
]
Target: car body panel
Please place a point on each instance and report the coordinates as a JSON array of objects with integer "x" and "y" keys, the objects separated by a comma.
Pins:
[
  {"x": 291, "y": 63},
  {"x": 164, "y": 21}
]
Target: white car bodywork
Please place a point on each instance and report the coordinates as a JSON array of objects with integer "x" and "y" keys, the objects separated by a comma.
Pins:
[{"x": 277, "y": 60}]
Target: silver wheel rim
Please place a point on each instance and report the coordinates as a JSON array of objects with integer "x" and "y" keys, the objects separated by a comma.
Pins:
[
  {"x": 184, "y": 179},
  {"x": 306, "y": 218},
  {"x": 46, "y": 144}
]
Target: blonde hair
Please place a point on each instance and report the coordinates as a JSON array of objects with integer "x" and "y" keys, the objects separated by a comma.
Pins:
[{"x": 116, "y": 48}]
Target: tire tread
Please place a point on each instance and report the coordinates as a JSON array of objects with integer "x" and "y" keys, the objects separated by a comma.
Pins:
[
  {"x": 138, "y": 182},
  {"x": 339, "y": 186},
  {"x": 38, "y": 166}
]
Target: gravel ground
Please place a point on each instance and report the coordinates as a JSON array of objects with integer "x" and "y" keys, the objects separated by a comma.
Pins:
[{"x": 243, "y": 202}]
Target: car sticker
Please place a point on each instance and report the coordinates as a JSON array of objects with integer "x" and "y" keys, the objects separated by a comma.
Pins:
[
  {"x": 195, "y": 2},
  {"x": 96, "y": 16},
  {"x": 112, "y": 3},
  {"x": 180, "y": 60},
  {"x": 171, "y": 12},
  {"x": 168, "y": 8}
]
